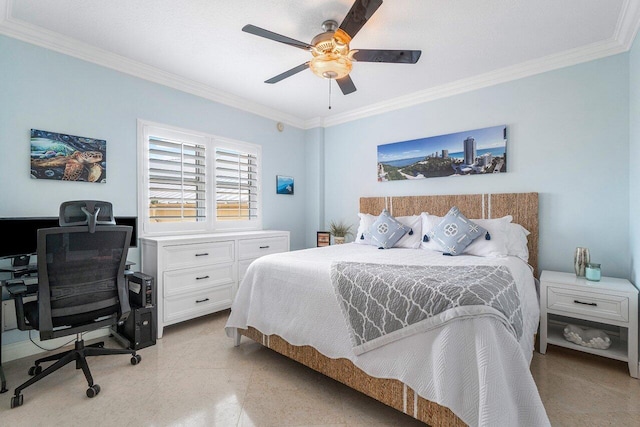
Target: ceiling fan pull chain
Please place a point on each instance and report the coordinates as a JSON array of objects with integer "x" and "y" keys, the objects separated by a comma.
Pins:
[{"x": 329, "y": 94}]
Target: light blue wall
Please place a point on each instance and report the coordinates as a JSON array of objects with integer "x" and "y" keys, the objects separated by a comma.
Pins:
[
  {"x": 46, "y": 90},
  {"x": 634, "y": 154},
  {"x": 314, "y": 151},
  {"x": 568, "y": 139}
]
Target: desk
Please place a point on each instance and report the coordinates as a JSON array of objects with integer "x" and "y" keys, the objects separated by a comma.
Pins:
[{"x": 11, "y": 273}]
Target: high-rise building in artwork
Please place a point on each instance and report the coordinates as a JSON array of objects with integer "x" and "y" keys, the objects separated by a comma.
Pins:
[
  {"x": 469, "y": 151},
  {"x": 445, "y": 154}
]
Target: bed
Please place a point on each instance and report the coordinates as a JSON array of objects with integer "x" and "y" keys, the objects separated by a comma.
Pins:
[{"x": 468, "y": 370}]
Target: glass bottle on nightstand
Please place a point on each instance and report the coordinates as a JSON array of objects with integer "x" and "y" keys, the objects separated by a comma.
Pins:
[{"x": 592, "y": 272}]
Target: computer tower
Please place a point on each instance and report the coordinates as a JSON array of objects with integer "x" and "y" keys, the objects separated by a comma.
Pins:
[
  {"x": 142, "y": 292},
  {"x": 140, "y": 328}
]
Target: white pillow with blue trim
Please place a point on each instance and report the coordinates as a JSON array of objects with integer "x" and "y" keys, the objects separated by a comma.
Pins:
[
  {"x": 366, "y": 221},
  {"x": 386, "y": 231},
  {"x": 428, "y": 224},
  {"x": 455, "y": 232}
]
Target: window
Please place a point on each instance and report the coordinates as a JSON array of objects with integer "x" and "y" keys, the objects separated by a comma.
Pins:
[
  {"x": 177, "y": 181},
  {"x": 236, "y": 185},
  {"x": 194, "y": 182}
]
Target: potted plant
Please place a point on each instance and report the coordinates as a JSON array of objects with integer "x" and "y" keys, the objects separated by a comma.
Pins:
[{"x": 339, "y": 231}]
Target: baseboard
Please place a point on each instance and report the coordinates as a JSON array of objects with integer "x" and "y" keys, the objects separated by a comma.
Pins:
[{"x": 20, "y": 349}]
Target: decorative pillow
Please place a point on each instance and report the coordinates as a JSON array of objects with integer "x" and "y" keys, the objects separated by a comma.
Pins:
[
  {"x": 517, "y": 241},
  {"x": 366, "y": 221},
  {"x": 455, "y": 232},
  {"x": 412, "y": 239},
  {"x": 496, "y": 244},
  {"x": 386, "y": 231}
]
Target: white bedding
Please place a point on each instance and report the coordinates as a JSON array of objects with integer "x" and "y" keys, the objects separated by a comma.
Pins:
[{"x": 475, "y": 366}]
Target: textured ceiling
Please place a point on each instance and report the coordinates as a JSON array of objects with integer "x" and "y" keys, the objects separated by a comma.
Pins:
[{"x": 198, "y": 45}]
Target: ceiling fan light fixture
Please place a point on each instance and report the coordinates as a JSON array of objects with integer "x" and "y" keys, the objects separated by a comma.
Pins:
[
  {"x": 331, "y": 66},
  {"x": 332, "y": 57}
]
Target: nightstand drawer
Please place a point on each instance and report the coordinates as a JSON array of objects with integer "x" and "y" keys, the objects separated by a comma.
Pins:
[{"x": 592, "y": 305}]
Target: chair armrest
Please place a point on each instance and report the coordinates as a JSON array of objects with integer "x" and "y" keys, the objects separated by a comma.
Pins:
[
  {"x": 18, "y": 291},
  {"x": 125, "y": 308}
]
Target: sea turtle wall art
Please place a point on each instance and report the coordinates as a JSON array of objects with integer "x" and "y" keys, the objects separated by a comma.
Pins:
[{"x": 65, "y": 157}]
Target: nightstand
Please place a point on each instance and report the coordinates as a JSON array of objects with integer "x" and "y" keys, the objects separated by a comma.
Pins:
[{"x": 610, "y": 305}]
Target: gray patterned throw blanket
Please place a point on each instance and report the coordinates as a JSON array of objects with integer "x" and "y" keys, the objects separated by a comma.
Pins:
[{"x": 383, "y": 303}]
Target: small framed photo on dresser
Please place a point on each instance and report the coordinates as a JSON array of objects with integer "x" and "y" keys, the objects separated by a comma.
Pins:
[{"x": 324, "y": 238}]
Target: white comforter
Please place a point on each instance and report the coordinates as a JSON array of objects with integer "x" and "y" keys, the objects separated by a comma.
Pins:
[{"x": 475, "y": 366}]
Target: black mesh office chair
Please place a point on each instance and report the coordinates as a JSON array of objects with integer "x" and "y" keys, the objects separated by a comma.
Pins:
[{"x": 81, "y": 287}]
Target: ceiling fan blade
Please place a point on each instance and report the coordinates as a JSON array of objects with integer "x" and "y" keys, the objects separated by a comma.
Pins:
[
  {"x": 346, "y": 85},
  {"x": 358, "y": 15},
  {"x": 252, "y": 29},
  {"x": 289, "y": 73},
  {"x": 395, "y": 56}
]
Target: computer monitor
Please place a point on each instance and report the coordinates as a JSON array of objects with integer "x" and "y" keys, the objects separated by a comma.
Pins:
[{"x": 25, "y": 230}]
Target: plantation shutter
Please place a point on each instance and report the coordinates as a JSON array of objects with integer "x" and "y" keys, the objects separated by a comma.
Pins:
[
  {"x": 236, "y": 185},
  {"x": 176, "y": 181}
]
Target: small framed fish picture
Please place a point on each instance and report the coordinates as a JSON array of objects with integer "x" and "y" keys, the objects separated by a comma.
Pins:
[
  {"x": 63, "y": 157},
  {"x": 284, "y": 184}
]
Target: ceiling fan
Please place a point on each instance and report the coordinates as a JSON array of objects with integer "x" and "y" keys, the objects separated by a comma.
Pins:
[{"x": 332, "y": 56}]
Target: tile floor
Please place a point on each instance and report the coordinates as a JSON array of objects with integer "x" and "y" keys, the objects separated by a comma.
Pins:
[{"x": 194, "y": 376}]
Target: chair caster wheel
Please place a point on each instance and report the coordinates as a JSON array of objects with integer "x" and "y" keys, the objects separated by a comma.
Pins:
[
  {"x": 35, "y": 370},
  {"x": 93, "y": 390},
  {"x": 136, "y": 359},
  {"x": 17, "y": 401}
]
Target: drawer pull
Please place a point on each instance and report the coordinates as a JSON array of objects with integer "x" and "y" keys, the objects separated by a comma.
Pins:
[
  {"x": 204, "y": 254},
  {"x": 202, "y": 277},
  {"x": 264, "y": 247},
  {"x": 593, "y": 304},
  {"x": 202, "y": 300}
]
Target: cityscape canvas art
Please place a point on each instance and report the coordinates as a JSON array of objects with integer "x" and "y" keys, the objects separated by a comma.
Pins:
[
  {"x": 474, "y": 152},
  {"x": 65, "y": 157}
]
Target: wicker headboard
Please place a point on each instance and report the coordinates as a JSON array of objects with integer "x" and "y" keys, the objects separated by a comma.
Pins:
[{"x": 522, "y": 206}]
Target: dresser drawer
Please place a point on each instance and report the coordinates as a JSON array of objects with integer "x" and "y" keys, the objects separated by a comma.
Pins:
[
  {"x": 255, "y": 248},
  {"x": 592, "y": 305},
  {"x": 197, "y": 304},
  {"x": 196, "y": 254},
  {"x": 178, "y": 282}
]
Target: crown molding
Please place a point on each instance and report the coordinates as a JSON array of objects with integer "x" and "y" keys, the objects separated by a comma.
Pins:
[
  {"x": 492, "y": 78},
  {"x": 628, "y": 24},
  {"x": 621, "y": 41},
  {"x": 26, "y": 32}
]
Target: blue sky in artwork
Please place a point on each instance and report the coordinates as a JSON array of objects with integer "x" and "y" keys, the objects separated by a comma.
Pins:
[{"x": 490, "y": 137}]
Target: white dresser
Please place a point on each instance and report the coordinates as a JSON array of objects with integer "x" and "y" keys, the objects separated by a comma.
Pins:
[{"x": 199, "y": 274}]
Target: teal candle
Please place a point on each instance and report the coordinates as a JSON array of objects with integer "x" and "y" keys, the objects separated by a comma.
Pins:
[{"x": 592, "y": 272}]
